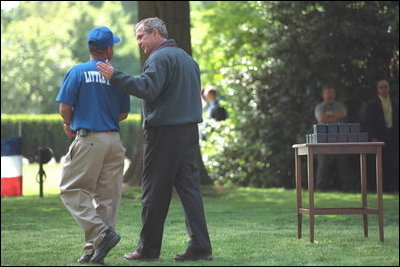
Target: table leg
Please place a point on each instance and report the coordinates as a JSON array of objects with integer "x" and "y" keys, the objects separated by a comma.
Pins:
[
  {"x": 310, "y": 166},
  {"x": 298, "y": 194},
  {"x": 378, "y": 162},
  {"x": 363, "y": 170}
]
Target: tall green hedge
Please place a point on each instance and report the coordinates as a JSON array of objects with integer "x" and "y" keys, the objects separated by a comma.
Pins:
[{"x": 46, "y": 130}]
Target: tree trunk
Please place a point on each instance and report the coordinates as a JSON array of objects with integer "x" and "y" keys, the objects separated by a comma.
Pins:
[{"x": 176, "y": 15}]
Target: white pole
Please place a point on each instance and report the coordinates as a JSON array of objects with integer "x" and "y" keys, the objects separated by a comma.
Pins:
[{"x": 19, "y": 129}]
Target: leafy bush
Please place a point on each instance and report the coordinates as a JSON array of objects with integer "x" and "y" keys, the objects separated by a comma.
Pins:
[{"x": 275, "y": 59}]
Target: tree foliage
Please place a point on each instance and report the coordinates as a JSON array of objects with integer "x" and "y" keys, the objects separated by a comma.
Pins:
[
  {"x": 41, "y": 40},
  {"x": 271, "y": 59},
  {"x": 32, "y": 62}
]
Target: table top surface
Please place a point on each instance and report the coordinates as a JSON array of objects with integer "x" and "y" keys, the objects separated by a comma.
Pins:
[{"x": 338, "y": 144}]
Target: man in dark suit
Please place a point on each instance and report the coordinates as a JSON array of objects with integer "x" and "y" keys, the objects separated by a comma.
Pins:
[{"x": 382, "y": 118}]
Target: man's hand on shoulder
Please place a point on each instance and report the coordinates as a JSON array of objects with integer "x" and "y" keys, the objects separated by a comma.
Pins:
[{"x": 106, "y": 69}]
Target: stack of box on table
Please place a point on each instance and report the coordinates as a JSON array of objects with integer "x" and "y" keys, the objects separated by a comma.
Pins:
[{"x": 336, "y": 133}]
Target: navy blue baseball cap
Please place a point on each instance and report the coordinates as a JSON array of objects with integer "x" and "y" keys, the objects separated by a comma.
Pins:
[{"x": 102, "y": 37}]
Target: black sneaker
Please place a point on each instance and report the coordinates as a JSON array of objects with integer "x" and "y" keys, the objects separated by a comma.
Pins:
[{"x": 109, "y": 241}]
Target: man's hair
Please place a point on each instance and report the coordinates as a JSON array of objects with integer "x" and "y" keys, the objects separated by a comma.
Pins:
[
  {"x": 382, "y": 81},
  {"x": 95, "y": 51},
  {"x": 153, "y": 23},
  {"x": 327, "y": 87},
  {"x": 212, "y": 92}
]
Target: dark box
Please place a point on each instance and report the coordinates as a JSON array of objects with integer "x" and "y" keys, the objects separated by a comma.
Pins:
[
  {"x": 319, "y": 138},
  {"x": 320, "y": 128},
  {"x": 331, "y": 137},
  {"x": 354, "y": 127},
  {"x": 342, "y": 137},
  {"x": 362, "y": 137},
  {"x": 352, "y": 137},
  {"x": 343, "y": 128},
  {"x": 332, "y": 128}
]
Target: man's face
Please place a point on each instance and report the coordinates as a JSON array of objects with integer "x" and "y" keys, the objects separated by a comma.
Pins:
[
  {"x": 383, "y": 89},
  {"x": 329, "y": 94},
  {"x": 206, "y": 97},
  {"x": 210, "y": 97},
  {"x": 147, "y": 41}
]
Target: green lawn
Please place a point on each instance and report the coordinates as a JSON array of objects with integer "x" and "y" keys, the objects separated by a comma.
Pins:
[
  {"x": 51, "y": 184},
  {"x": 247, "y": 226}
]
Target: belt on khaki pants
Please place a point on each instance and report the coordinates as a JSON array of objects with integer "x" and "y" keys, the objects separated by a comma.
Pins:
[{"x": 84, "y": 132}]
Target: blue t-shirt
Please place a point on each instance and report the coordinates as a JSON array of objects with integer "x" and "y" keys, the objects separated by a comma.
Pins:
[{"x": 96, "y": 104}]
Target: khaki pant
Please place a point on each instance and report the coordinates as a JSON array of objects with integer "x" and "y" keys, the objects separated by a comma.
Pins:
[{"x": 91, "y": 183}]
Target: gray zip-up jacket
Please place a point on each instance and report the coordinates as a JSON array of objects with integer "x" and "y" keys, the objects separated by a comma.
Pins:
[{"x": 169, "y": 86}]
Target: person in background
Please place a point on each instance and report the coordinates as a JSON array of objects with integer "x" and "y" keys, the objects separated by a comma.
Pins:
[
  {"x": 212, "y": 108},
  {"x": 93, "y": 168},
  {"x": 382, "y": 120},
  {"x": 331, "y": 169},
  {"x": 330, "y": 110}
]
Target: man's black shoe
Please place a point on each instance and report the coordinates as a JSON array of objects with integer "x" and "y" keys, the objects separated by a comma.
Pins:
[
  {"x": 109, "y": 241},
  {"x": 136, "y": 256},
  {"x": 193, "y": 256}
]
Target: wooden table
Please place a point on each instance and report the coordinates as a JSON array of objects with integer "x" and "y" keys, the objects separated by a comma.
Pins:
[{"x": 362, "y": 149}]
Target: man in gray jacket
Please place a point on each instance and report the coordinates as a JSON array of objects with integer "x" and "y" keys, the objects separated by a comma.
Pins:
[{"x": 170, "y": 88}]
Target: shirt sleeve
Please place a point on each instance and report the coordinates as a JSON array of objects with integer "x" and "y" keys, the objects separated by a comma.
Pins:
[
  {"x": 69, "y": 89},
  {"x": 148, "y": 85},
  {"x": 318, "y": 111}
]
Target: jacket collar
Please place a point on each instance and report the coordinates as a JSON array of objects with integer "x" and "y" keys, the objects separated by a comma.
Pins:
[{"x": 169, "y": 42}]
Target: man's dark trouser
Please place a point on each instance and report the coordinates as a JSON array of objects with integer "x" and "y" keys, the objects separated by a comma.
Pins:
[
  {"x": 333, "y": 173},
  {"x": 390, "y": 164},
  {"x": 169, "y": 153}
]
